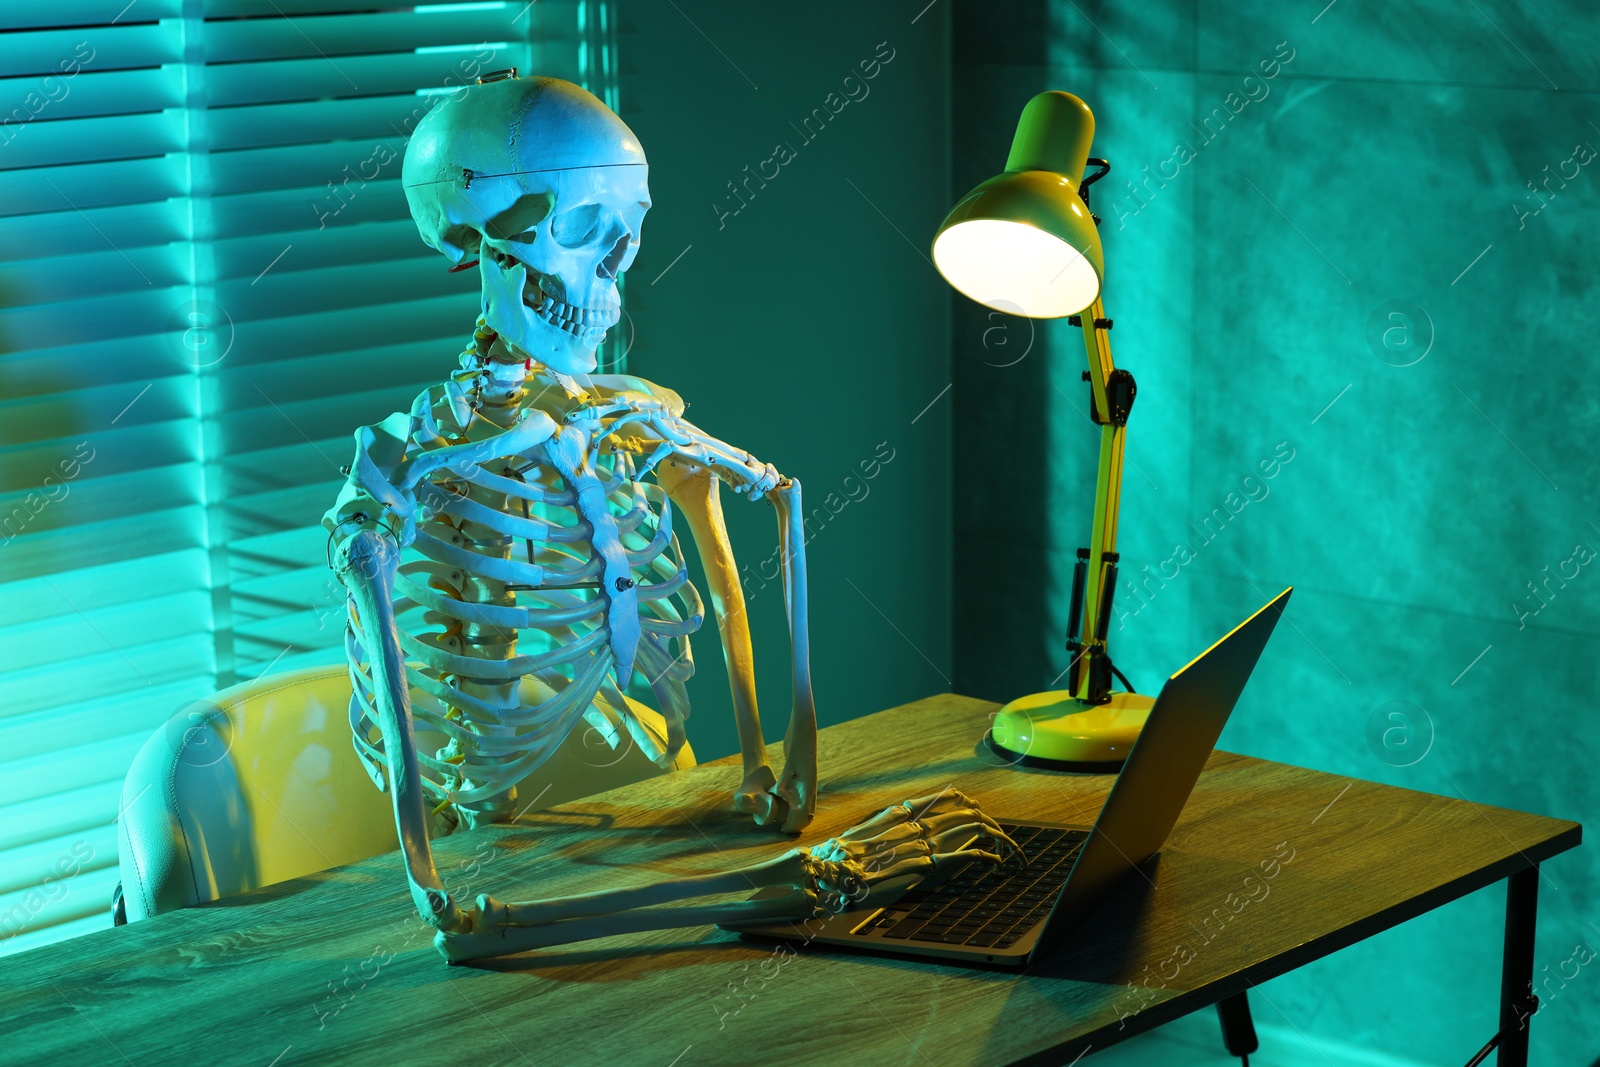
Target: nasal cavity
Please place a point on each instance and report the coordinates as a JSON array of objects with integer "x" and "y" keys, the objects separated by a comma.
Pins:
[{"x": 611, "y": 263}]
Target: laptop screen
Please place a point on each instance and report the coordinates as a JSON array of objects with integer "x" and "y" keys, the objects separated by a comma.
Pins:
[{"x": 1166, "y": 761}]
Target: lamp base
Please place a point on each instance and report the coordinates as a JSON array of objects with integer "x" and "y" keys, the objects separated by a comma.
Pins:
[{"x": 1057, "y": 728}]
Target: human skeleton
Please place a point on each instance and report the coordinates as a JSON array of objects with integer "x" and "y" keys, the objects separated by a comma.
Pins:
[{"x": 544, "y": 570}]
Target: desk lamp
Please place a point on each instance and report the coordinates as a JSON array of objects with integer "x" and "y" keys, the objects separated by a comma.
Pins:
[{"x": 1025, "y": 243}]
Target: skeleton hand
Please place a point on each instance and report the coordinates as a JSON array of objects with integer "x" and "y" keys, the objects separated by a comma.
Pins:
[{"x": 915, "y": 837}]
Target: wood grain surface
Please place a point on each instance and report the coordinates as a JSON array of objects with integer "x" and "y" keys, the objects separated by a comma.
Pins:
[{"x": 336, "y": 968}]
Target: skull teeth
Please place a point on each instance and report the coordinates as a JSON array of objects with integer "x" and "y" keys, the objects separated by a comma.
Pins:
[{"x": 577, "y": 321}]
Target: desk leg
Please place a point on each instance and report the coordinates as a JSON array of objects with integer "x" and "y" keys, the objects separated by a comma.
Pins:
[
  {"x": 1238, "y": 1029},
  {"x": 1516, "y": 969}
]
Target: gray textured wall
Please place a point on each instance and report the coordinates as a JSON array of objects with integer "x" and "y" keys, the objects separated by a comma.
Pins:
[{"x": 1251, "y": 280}]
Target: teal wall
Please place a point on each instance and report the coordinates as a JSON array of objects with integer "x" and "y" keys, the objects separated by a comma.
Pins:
[
  {"x": 1388, "y": 160},
  {"x": 800, "y": 325}
]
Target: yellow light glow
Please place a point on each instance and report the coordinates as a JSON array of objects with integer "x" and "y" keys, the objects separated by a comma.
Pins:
[{"x": 1016, "y": 268}]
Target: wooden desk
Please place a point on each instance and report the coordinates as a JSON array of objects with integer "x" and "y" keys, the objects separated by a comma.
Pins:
[{"x": 337, "y": 969}]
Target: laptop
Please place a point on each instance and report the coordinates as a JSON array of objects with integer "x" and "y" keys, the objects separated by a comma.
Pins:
[{"x": 1004, "y": 915}]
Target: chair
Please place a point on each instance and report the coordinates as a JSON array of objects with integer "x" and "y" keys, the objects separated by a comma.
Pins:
[{"x": 260, "y": 784}]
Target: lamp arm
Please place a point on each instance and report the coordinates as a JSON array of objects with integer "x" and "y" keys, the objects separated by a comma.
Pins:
[{"x": 1112, "y": 391}]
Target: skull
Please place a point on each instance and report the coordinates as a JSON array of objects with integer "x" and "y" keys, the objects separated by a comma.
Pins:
[{"x": 549, "y": 188}]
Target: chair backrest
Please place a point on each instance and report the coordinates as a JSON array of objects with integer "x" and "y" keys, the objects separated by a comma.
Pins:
[{"x": 260, "y": 784}]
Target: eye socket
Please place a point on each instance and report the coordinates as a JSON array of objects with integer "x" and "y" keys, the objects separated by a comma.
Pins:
[
  {"x": 460, "y": 236},
  {"x": 513, "y": 223},
  {"x": 576, "y": 227}
]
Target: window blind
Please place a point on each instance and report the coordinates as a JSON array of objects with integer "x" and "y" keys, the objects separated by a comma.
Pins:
[{"x": 208, "y": 279}]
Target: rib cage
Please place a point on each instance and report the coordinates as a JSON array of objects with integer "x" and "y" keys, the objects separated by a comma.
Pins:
[{"x": 508, "y": 634}]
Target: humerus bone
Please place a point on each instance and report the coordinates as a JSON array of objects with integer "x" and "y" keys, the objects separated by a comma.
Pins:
[{"x": 913, "y": 837}]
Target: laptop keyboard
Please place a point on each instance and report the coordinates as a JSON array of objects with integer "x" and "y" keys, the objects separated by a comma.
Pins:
[{"x": 984, "y": 905}]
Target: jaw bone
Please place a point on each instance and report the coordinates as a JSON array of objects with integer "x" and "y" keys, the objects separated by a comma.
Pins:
[
  {"x": 588, "y": 325},
  {"x": 520, "y": 305}
]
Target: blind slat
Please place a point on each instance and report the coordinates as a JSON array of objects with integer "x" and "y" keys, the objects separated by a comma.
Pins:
[
  {"x": 29, "y": 599},
  {"x": 57, "y": 857},
  {"x": 29, "y": 239},
  {"x": 90, "y": 185},
  {"x": 121, "y": 47},
  {"x": 387, "y": 73},
  {"x": 58, "y": 142},
  {"x": 86, "y": 907},
  {"x": 33, "y": 555},
  {"x": 338, "y": 35},
  {"x": 86, "y": 13},
  {"x": 134, "y": 273},
  {"x": 78, "y": 809},
  {"x": 88, "y": 95},
  {"x": 42, "y": 418},
  {"x": 146, "y": 311}
]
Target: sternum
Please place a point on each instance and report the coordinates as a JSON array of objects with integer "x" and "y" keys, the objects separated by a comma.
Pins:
[
  {"x": 616, "y": 576},
  {"x": 483, "y": 640}
]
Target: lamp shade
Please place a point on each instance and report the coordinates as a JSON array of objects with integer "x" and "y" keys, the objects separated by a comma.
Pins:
[{"x": 1023, "y": 242}]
